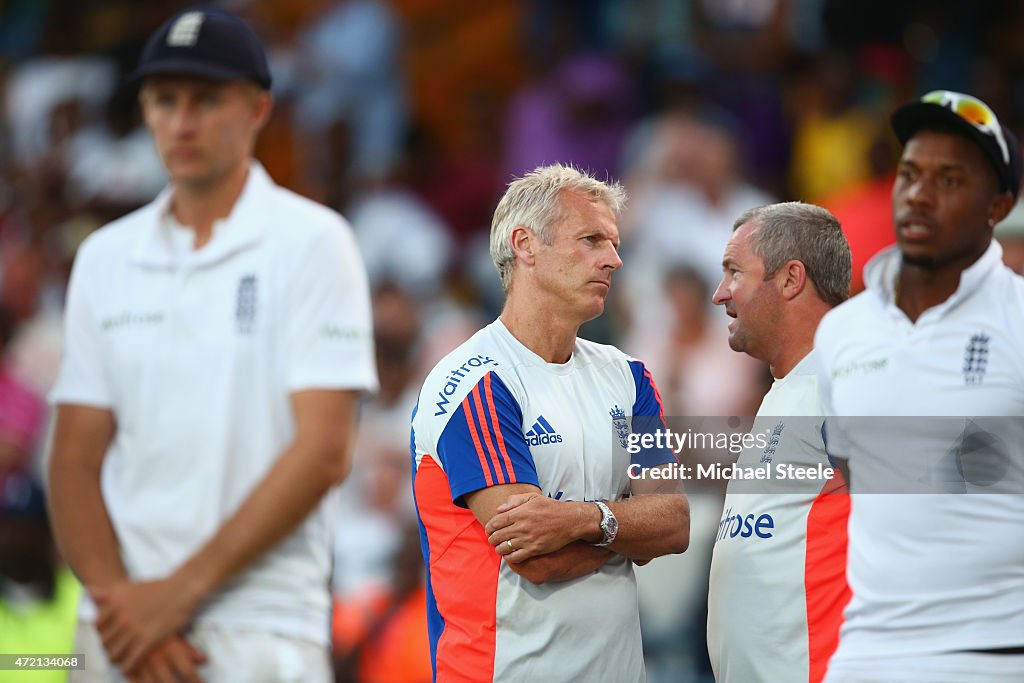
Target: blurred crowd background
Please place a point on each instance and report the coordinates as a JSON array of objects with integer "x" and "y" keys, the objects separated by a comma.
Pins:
[{"x": 409, "y": 117}]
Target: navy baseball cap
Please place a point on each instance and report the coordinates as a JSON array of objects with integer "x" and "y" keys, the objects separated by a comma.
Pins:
[
  {"x": 975, "y": 120},
  {"x": 206, "y": 42}
]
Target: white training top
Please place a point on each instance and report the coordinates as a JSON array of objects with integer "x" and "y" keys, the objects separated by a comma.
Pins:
[
  {"x": 778, "y": 572},
  {"x": 493, "y": 412},
  {"x": 196, "y": 353},
  {"x": 930, "y": 572}
]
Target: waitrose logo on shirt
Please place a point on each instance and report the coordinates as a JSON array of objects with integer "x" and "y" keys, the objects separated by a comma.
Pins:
[
  {"x": 745, "y": 525},
  {"x": 132, "y": 319},
  {"x": 861, "y": 368}
]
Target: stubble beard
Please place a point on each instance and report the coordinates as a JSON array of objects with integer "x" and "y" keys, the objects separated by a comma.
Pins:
[{"x": 920, "y": 261}]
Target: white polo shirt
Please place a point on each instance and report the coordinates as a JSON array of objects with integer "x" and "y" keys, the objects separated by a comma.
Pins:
[
  {"x": 930, "y": 572},
  {"x": 778, "y": 572},
  {"x": 197, "y": 353}
]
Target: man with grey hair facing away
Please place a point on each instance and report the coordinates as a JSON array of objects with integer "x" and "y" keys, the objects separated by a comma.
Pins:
[
  {"x": 778, "y": 571},
  {"x": 530, "y": 518}
]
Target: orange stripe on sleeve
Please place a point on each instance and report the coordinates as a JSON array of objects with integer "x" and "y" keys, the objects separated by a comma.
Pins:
[
  {"x": 488, "y": 441},
  {"x": 654, "y": 388},
  {"x": 497, "y": 430},
  {"x": 476, "y": 441}
]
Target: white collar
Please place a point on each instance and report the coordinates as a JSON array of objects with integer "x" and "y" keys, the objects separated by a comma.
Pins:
[
  {"x": 243, "y": 228},
  {"x": 882, "y": 271}
]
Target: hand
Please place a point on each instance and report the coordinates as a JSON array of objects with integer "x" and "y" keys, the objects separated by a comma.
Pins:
[
  {"x": 536, "y": 525},
  {"x": 133, "y": 617},
  {"x": 172, "y": 660},
  {"x": 515, "y": 501}
]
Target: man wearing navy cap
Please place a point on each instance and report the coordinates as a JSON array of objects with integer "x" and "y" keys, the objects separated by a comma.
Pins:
[
  {"x": 935, "y": 559},
  {"x": 216, "y": 342}
]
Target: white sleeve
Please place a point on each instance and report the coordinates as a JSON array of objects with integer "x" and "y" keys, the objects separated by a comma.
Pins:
[
  {"x": 824, "y": 375},
  {"x": 833, "y": 430},
  {"x": 83, "y": 378},
  {"x": 329, "y": 328}
]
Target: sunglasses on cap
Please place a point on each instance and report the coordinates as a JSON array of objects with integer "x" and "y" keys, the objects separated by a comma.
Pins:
[{"x": 974, "y": 111}]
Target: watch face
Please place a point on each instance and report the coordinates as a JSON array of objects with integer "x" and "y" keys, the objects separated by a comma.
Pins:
[{"x": 611, "y": 526}]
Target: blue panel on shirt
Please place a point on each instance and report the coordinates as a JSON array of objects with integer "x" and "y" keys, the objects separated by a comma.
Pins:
[
  {"x": 483, "y": 444},
  {"x": 648, "y": 417}
]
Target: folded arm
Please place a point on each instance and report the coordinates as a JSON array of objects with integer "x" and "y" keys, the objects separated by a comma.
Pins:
[
  {"x": 654, "y": 522},
  {"x": 563, "y": 558}
]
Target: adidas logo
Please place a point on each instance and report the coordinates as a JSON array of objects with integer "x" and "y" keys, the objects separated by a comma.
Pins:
[{"x": 542, "y": 433}]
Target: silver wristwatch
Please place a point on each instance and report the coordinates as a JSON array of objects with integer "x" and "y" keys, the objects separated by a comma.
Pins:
[{"x": 609, "y": 524}]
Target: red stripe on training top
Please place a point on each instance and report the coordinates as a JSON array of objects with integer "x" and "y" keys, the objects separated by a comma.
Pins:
[
  {"x": 476, "y": 441},
  {"x": 657, "y": 396},
  {"x": 497, "y": 430},
  {"x": 825, "y": 573},
  {"x": 654, "y": 388},
  {"x": 463, "y": 577},
  {"x": 488, "y": 441}
]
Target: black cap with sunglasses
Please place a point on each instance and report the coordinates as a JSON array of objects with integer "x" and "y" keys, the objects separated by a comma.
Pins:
[{"x": 975, "y": 120}]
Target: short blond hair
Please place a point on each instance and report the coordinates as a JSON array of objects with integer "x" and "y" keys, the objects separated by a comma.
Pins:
[{"x": 534, "y": 201}]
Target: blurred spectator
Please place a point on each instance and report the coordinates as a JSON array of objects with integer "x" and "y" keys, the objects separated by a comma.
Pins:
[
  {"x": 832, "y": 134},
  {"x": 697, "y": 372},
  {"x": 556, "y": 29},
  {"x": 578, "y": 114},
  {"x": 38, "y": 87},
  {"x": 21, "y": 410},
  {"x": 401, "y": 239},
  {"x": 32, "y": 293},
  {"x": 113, "y": 163},
  {"x": 461, "y": 184},
  {"x": 38, "y": 595},
  {"x": 383, "y": 638},
  {"x": 865, "y": 209},
  {"x": 746, "y": 46},
  {"x": 373, "y": 508},
  {"x": 345, "y": 67},
  {"x": 22, "y": 281},
  {"x": 373, "y": 502},
  {"x": 686, "y": 187},
  {"x": 372, "y": 583},
  {"x": 21, "y": 28},
  {"x": 1010, "y": 235},
  {"x": 396, "y": 334}
]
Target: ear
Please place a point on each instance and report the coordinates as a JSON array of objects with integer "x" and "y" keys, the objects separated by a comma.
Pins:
[
  {"x": 143, "y": 97},
  {"x": 264, "y": 103},
  {"x": 791, "y": 279},
  {"x": 1000, "y": 208},
  {"x": 524, "y": 242}
]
